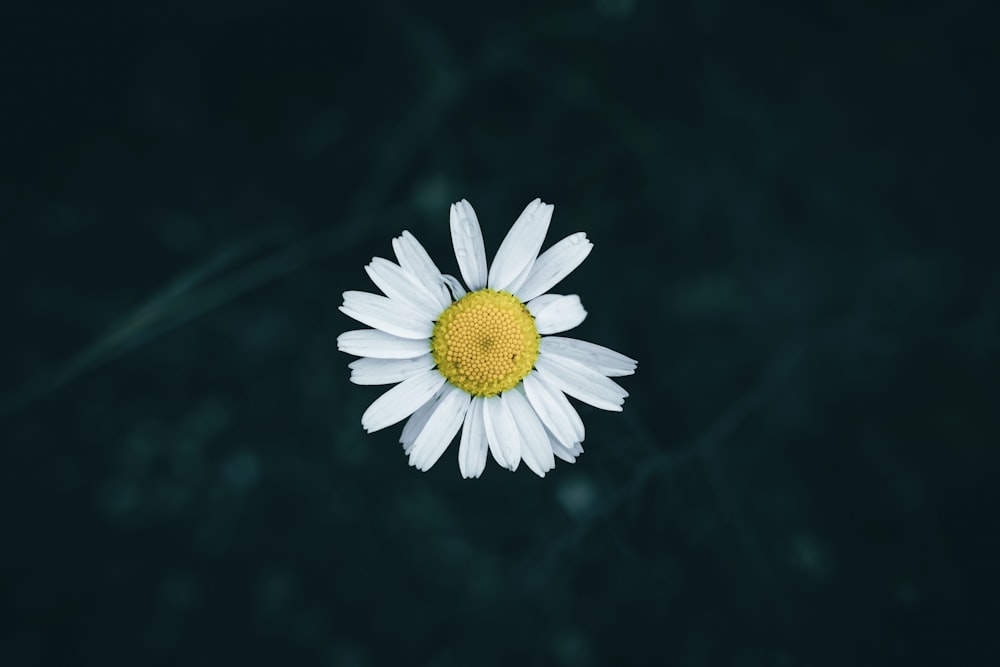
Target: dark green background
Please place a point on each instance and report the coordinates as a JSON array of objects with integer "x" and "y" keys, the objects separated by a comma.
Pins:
[{"x": 793, "y": 213}]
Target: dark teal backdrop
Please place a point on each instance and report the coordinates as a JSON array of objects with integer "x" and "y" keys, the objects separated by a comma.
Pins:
[{"x": 793, "y": 213}]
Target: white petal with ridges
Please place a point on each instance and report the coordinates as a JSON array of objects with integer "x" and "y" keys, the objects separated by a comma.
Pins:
[
  {"x": 555, "y": 264},
  {"x": 521, "y": 245},
  {"x": 567, "y": 408},
  {"x": 380, "y": 345},
  {"x": 555, "y": 313},
  {"x": 415, "y": 424},
  {"x": 580, "y": 382},
  {"x": 552, "y": 412},
  {"x": 386, "y": 315},
  {"x": 567, "y": 454},
  {"x": 440, "y": 429},
  {"x": 402, "y": 286},
  {"x": 467, "y": 237},
  {"x": 601, "y": 359},
  {"x": 401, "y": 401},
  {"x": 501, "y": 433},
  {"x": 473, "y": 446},
  {"x": 454, "y": 286},
  {"x": 388, "y": 371},
  {"x": 414, "y": 258},
  {"x": 515, "y": 284},
  {"x": 535, "y": 448}
]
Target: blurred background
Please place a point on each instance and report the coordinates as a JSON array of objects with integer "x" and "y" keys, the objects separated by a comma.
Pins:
[{"x": 787, "y": 203}]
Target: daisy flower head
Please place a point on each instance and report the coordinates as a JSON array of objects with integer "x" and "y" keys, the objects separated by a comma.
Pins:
[{"x": 481, "y": 358}]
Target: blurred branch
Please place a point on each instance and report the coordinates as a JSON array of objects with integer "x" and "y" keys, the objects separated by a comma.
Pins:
[{"x": 196, "y": 292}]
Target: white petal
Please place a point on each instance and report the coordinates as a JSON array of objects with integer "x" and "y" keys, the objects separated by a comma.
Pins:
[
  {"x": 515, "y": 285},
  {"x": 388, "y": 371},
  {"x": 601, "y": 359},
  {"x": 455, "y": 287},
  {"x": 552, "y": 412},
  {"x": 386, "y": 315},
  {"x": 520, "y": 247},
  {"x": 414, "y": 258},
  {"x": 567, "y": 408},
  {"x": 401, "y": 401},
  {"x": 380, "y": 345},
  {"x": 467, "y": 237},
  {"x": 567, "y": 454},
  {"x": 555, "y": 264},
  {"x": 535, "y": 448},
  {"x": 440, "y": 429},
  {"x": 402, "y": 286},
  {"x": 555, "y": 312},
  {"x": 580, "y": 382},
  {"x": 473, "y": 446},
  {"x": 501, "y": 433},
  {"x": 415, "y": 424}
]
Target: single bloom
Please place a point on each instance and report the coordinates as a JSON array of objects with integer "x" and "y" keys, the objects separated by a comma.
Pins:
[{"x": 482, "y": 360}]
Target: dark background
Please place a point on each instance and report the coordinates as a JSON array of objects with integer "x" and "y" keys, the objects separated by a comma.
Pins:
[{"x": 793, "y": 208}]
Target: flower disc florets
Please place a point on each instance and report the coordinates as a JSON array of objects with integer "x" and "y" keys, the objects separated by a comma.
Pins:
[{"x": 485, "y": 343}]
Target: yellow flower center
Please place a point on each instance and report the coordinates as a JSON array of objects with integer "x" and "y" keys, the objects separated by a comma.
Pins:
[{"x": 485, "y": 343}]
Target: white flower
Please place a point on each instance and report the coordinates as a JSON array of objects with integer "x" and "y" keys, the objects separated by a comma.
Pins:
[{"x": 483, "y": 361}]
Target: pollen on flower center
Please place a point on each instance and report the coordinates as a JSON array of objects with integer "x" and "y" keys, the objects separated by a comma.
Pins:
[{"x": 485, "y": 343}]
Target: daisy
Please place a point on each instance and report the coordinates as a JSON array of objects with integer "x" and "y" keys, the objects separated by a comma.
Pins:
[{"x": 482, "y": 360}]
